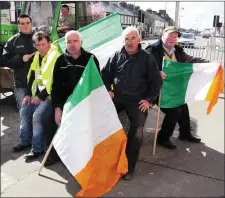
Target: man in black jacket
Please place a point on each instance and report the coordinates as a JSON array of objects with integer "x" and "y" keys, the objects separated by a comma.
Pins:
[
  {"x": 67, "y": 72},
  {"x": 166, "y": 47},
  {"x": 17, "y": 55},
  {"x": 136, "y": 82}
]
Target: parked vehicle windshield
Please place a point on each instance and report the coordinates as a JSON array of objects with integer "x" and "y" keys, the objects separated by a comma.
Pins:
[{"x": 187, "y": 36}]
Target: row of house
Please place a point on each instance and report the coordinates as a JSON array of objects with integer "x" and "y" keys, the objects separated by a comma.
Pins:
[{"x": 152, "y": 25}]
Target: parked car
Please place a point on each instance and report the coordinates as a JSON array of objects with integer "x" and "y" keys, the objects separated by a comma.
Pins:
[
  {"x": 187, "y": 40},
  {"x": 206, "y": 35}
]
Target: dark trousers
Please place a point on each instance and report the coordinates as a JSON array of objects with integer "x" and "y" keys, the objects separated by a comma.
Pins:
[
  {"x": 50, "y": 131},
  {"x": 172, "y": 116},
  {"x": 134, "y": 138}
]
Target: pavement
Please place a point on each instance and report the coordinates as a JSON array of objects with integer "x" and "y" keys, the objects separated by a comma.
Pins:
[{"x": 192, "y": 170}]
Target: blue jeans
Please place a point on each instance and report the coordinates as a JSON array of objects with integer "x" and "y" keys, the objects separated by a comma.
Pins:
[
  {"x": 33, "y": 118},
  {"x": 19, "y": 95}
]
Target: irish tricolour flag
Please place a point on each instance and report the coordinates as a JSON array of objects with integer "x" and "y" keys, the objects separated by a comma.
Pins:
[
  {"x": 91, "y": 141},
  {"x": 187, "y": 82},
  {"x": 102, "y": 38}
]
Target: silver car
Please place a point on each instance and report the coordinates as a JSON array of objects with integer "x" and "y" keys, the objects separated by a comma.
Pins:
[{"x": 187, "y": 40}]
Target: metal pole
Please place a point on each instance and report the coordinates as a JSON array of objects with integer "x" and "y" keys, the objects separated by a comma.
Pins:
[
  {"x": 177, "y": 10},
  {"x": 165, "y": 15},
  {"x": 134, "y": 14}
]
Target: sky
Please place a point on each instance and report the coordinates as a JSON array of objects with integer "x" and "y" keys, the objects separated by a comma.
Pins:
[{"x": 196, "y": 15}]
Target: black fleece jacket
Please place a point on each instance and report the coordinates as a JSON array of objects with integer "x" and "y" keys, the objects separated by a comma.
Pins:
[
  {"x": 133, "y": 77},
  {"x": 12, "y": 57},
  {"x": 66, "y": 74}
]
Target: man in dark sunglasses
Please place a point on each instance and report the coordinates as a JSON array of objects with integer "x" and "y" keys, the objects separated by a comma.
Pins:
[{"x": 18, "y": 54}]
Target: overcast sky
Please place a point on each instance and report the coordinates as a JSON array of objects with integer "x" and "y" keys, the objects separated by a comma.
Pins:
[{"x": 193, "y": 15}]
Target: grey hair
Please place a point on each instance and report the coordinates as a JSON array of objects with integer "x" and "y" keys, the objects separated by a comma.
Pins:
[
  {"x": 130, "y": 29},
  {"x": 73, "y": 32}
]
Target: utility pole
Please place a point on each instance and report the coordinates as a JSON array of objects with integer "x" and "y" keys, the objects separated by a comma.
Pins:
[
  {"x": 165, "y": 16},
  {"x": 134, "y": 14},
  {"x": 177, "y": 10}
]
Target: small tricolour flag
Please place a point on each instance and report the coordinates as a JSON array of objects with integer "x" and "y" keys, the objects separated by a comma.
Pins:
[
  {"x": 187, "y": 82},
  {"x": 91, "y": 141}
]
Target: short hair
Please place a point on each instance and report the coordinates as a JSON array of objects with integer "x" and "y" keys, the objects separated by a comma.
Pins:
[
  {"x": 22, "y": 16},
  {"x": 38, "y": 36},
  {"x": 130, "y": 29},
  {"x": 73, "y": 32},
  {"x": 65, "y": 6}
]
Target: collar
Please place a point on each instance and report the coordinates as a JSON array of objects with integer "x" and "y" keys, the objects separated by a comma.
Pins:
[{"x": 169, "y": 52}]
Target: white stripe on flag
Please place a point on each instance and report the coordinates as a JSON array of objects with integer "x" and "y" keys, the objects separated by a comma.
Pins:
[
  {"x": 200, "y": 80},
  {"x": 81, "y": 133},
  {"x": 105, "y": 51}
]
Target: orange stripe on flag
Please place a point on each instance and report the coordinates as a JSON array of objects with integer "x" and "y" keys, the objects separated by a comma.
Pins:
[
  {"x": 216, "y": 88},
  {"x": 107, "y": 165}
]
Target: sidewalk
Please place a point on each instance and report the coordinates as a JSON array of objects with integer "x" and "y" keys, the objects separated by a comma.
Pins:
[{"x": 193, "y": 170}]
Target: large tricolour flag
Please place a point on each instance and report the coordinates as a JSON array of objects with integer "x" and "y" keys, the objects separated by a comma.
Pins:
[
  {"x": 102, "y": 38},
  {"x": 187, "y": 82},
  {"x": 91, "y": 141}
]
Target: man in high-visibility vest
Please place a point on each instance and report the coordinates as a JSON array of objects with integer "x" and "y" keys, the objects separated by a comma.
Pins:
[{"x": 37, "y": 105}]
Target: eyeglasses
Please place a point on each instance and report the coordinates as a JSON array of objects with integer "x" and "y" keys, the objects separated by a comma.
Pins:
[{"x": 22, "y": 23}]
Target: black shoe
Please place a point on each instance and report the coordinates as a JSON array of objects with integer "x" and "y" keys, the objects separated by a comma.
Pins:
[
  {"x": 20, "y": 147},
  {"x": 128, "y": 176},
  {"x": 190, "y": 138},
  {"x": 50, "y": 162},
  {"x": 167, "y": 144},
  {"x": 33, "y": 155}
]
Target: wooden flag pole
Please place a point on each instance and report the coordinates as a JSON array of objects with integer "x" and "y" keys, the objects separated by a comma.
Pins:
[
  {"x": 45, "y": 157},
  {"x": 157, "y": 125}
]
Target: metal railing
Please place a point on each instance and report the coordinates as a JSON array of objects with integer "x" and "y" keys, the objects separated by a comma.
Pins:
[{"x": 212, "y": 51}]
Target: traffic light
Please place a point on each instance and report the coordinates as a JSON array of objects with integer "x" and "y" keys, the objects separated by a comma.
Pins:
[
  {"x": 219, "y": 25},
  {"x": 216, "y": 20},
  {"x": 139, "y": 16},
  {"x": 143, "y": 18}
]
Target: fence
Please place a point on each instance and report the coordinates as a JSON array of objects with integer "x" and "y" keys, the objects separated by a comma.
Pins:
[{"x": 212, "y": 51}]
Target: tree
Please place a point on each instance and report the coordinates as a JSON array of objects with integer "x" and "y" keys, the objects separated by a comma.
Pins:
[
  {"x": 137, "y": 7},
  {"x": 149, "y": 10},
  {"x": 123, "y": 3}
]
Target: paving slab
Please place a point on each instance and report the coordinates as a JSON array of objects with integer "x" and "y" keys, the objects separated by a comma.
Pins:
[
  {"x": 157, "y": 181},
  {"x": 7, "y": 181}
]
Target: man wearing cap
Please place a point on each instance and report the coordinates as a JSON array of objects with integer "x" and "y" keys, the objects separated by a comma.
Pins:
[{"x": 166, "y": 48}]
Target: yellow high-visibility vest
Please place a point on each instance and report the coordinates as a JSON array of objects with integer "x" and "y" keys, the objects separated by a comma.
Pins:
[{"x": 43, "y": 73}]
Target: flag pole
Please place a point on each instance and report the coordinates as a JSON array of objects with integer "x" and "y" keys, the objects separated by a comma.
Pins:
[
  {"x": 157, "y": 125},
  {"x": 45, "y": 157}
]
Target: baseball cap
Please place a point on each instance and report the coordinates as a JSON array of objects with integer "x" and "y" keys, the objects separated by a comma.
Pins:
[{"x": 171, "y": 29}]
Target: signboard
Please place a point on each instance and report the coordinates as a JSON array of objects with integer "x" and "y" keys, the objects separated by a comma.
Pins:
[
  {"x": 5, "y": 17},
  {"x": 7, "y": 31}
]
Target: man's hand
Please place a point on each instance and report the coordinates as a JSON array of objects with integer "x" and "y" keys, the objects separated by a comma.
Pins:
[
  {"x": 27, "y": 57},
  {"x": 26, "y": 101},
  {"x": 144, "y": 105},
  {"x": 163, "y": 75},
  {"x": 36, "y": 100},
  {"x": 58, "y": 116},
  {"x": 111, "y": 94}
]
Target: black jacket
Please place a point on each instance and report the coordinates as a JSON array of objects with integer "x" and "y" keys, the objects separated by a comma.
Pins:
[
  {"x": 12, "y": 57},
  {"x": 134, "y": 77},
  {"x": 67, "y": 73},
  {"x": 156, "y": 49}
]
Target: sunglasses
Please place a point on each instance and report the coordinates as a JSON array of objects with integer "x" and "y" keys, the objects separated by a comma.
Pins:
[{"x": 22, "y": 23}]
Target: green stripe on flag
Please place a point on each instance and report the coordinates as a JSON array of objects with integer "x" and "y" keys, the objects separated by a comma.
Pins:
[
  {"x": 175, "y": 84},
  {"x": 98, "y": 33},
  {"x": 89, "y": 81}
]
